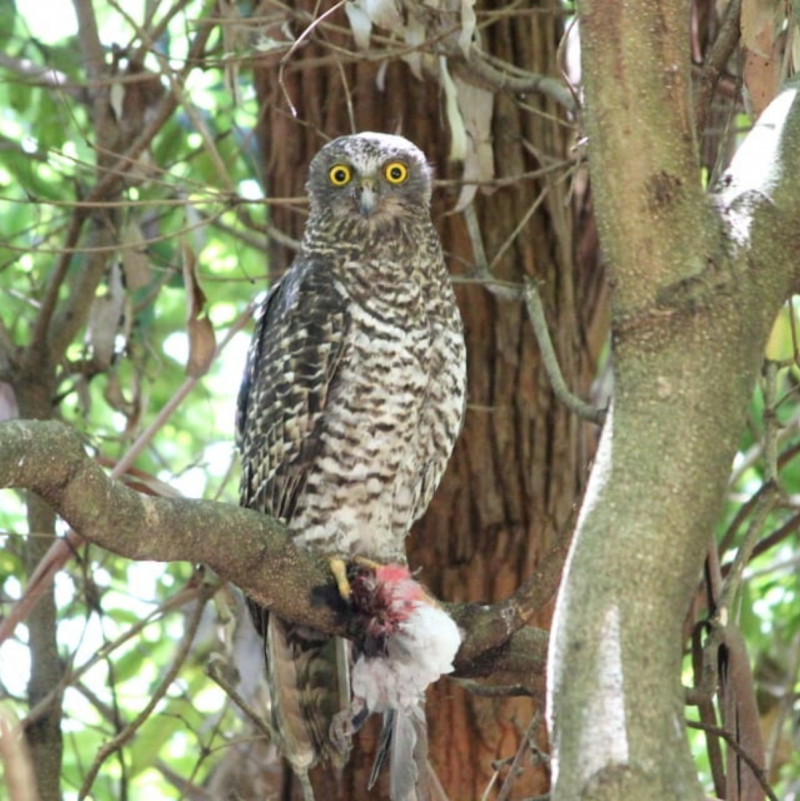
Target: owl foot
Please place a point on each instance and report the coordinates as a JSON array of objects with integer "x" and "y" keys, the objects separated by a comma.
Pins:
[
  {"x": 370, "y": 564},
  {"x": 339, "y": 569}
]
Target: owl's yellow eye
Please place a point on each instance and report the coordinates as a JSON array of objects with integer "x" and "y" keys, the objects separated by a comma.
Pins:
[
  {"x": 340, "y": 174},
  {"x": 396, "y": 172}
]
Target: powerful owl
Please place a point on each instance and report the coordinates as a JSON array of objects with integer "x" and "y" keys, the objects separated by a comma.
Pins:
[{"x": 352, "y": 399}]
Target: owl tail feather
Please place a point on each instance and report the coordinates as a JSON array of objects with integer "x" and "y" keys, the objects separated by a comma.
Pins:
[
  {"x": 404, "y": 739},
  {"x": 308, "y": 679}
]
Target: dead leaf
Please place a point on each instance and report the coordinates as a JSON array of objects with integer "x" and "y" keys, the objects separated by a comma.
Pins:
[
  {"x": 795, "y": 38},
  {"x": 131, "y": 407},
  {"x": 740, "y": 718},
  {"x": 202, "y": 342},
  {"x": 135, "y": 262},
  {"x": 476, "y": 106},
  {"x": 232, "y": 37},
  {"x": 360, "y": 24},
  {"x": 8, "y": 402},
  {"x": 458, "y": 131},
  {"x": 468, "y": 22},
  {"x": 106, "y": 319}
]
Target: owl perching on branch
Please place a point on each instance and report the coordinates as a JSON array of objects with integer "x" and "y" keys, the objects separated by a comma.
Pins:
[{"x": 352, "y": 399}]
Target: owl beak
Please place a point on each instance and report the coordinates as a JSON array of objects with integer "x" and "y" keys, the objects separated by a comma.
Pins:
[{"x": 367, "y": 196}]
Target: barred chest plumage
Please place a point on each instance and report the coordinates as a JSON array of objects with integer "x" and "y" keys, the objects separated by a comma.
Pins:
[{"x": 392, "y": 420}]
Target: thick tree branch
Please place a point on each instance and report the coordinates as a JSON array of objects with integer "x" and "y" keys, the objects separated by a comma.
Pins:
[
  {"x": 697, "y": 281},
  {"x": 639, "y": 113},
  {"x": 250, "y": 549}
]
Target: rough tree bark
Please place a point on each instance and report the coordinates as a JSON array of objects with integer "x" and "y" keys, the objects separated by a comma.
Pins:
[
  {"x": 520, "y": 464},
  {"x": 698, "y": 280}
]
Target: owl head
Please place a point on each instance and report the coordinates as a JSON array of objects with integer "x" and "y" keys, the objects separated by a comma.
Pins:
[{"x": 371, "y": 176}]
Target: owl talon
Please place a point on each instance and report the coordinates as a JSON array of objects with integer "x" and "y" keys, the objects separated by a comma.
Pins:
[
  {"x": 339, "y": 570},
  {"x": 370, "y": 564}
]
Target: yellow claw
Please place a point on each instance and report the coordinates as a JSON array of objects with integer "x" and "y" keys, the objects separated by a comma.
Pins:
[
  {"x": 339, "y": 570},
  {"x": 368, "y": 563}
]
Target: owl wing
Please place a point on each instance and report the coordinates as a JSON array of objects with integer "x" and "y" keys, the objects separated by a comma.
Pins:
[
  {"x": 298, "y": 344},
  {"x": 292, "y": 365}
]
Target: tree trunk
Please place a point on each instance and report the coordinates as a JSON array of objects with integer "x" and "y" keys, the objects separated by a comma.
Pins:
[
  {"x": 698, "y": 279},
  {"x": 520, "y": 464},
  {"x": 44, "y": 736}
]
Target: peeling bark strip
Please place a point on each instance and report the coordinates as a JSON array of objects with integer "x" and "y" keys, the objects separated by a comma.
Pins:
[{"x": 242, "y": 546}]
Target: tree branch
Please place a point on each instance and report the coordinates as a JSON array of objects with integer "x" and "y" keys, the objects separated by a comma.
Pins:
[
  {"x": 243, "y": 546},
  {"x": 715, "y": 62},
  {"x": 639, "y": 113},
  {"x": 550, "y": 361}
]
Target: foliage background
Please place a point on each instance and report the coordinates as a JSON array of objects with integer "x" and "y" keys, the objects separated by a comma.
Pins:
[{"x": 127, "y": 366}]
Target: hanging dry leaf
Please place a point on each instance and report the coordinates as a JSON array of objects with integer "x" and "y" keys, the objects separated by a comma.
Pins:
[
  {"x": 458, "y": 131},
  {"x": 794, "y": 34},
  {"x": 476, "y": 106},
  {"x": 740, "y": 718},
  {"x": 131, "y": 407},
  {"x": 414, "y": 37},
  {"x": 106, "y": 320},
  {"x": 202, "y": 342},
  {"x": 8, "y": 402},
  {"x": 360, "y": 24},
  {"x": 468, "y": 22},
  {"x": 135, "y": 262},
  {"x": 232, "y": 38}
]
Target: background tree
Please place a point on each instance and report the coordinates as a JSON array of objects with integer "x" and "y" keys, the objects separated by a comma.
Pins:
[{"x": 128, "y": 168}]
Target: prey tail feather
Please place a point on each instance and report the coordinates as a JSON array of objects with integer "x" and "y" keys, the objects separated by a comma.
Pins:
[
  {"x": 383, "y": 746},
  {"x": 407, "y": 727},
  {"x": 404, "y": 740}
]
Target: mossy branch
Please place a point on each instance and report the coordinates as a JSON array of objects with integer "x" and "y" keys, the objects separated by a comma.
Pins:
[{"x": 250, "y": 549}]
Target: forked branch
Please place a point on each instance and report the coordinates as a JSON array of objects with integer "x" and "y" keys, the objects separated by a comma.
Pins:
[{"x": 248, "y": 548}]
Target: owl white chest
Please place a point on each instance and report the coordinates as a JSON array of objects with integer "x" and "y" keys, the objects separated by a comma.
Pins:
[{"x": 383, "y": 442}]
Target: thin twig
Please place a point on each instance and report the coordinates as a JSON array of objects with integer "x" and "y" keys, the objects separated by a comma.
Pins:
[
  {"x": 520, "y": 225},
  {"x": 62, "y": 549},
  {"x": 734, "y": 745},
  {"x": 730, "y": 586},
  {"x": 504, "y": 77},
  {"x": 550, "y": 361},
  {"x": 128, "y": 732},
  {"x": 297, "y": 42},
  {"x": 741, "y": 515},
  {"x": 786, "y": 702},
  {"x": 72, "y": 675},
  {"x": 788, "y": 528},
  {"x": 715, "y": 62},
  {"x": 213, "y": 671},
  {"x": 177, "y": 87},
  {"x": 771, "y": 424},
  {"x": 501, "y": 289},
  {"x": 107, "y": 185},
  {"x": 511, "y": 775}
]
